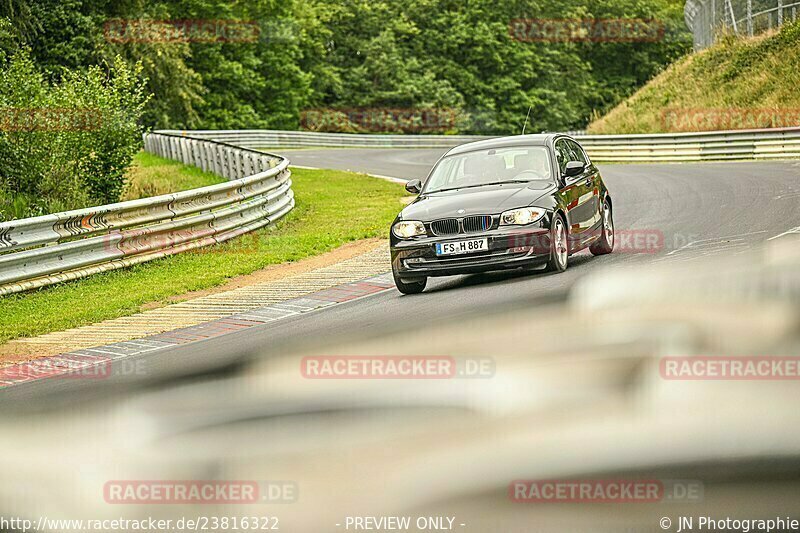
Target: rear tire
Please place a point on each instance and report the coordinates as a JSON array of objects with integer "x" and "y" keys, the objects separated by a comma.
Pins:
[
  {"x": 606, "y": 243},
  {"x": 413, "y": 287},
  {"x": 559, "y": 246}
]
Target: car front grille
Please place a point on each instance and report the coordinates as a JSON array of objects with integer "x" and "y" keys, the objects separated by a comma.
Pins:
[
  {"x": 477, "y": 223},
  {"x": 454, "y": 226},
  {"x": 447, "y": 226}
]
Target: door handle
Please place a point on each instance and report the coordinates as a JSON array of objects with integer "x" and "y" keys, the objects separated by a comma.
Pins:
[{"x": 589, "y": 180}]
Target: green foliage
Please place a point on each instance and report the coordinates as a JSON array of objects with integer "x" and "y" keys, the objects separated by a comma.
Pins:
[
  {"x": 66, "y": 145},
  {"x": 370, "y": 54},
  {"x": 7, "y": 39}
]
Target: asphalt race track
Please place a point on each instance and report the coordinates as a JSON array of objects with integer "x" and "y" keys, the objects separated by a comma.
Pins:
[{"x": 701, "y": 209}]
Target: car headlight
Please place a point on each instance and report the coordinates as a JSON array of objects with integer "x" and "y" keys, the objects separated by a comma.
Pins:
[
  {"x": 408, "y": 228},
  {"x": 521, "y": 217}
]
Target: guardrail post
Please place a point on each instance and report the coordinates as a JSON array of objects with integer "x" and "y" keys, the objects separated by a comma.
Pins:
[
  {"x": 733, "y": 16},
  {"x": 780, "y": 12},
  {"x": 218, "y": 165},
  {"x": 223, "y": 159},
  {"x": 237, "y": 159},
  {"x": 198, "y": 158},
  {"x": 214, "y": 163},
  {"x": 750, "y": 18},
  {"x": 203, "y": 157},
  {"x": 194, "y": 152},
  {"x": 237, "y": 167},
  {"x": 711, "y": 18},
  {"x": 183, "y": 152},
  {"x": 713, "y": 21}
]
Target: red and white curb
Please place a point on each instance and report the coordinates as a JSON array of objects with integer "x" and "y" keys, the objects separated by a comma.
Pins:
[{"x": 96, "y": 362}]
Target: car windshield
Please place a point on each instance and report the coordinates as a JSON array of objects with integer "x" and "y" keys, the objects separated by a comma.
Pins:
[{"x": 487, "y": 167}]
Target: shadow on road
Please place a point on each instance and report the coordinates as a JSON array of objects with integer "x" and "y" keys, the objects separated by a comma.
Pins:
[{"x": 505, "y": 276}]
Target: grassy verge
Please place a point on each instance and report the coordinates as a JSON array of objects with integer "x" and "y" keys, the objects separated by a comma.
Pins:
[
  {"x": 333, "y": 208},
  {"x": 151, "y": 175},
  {"x": 736, "y": 84}
]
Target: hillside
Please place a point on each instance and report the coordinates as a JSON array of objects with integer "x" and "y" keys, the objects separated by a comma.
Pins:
[{"x": 736, "y": 84}]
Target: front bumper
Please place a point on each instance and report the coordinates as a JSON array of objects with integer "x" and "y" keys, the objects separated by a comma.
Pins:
[{"x": 508, "y": 247}]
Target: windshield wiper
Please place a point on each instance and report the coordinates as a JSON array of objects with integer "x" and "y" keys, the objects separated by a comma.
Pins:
[{"x": 478, "y": 185}]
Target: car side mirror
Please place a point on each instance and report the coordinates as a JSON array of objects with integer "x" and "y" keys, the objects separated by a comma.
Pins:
[
  {"x": 414, "y": 186},
  {"x": 574, "y": 168}
]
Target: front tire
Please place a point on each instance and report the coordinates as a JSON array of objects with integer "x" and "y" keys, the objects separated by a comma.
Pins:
[
  {"x": 559, "y": 246},
  {"x": 413, "y": 287},
  {"x": 606, "y": 243}
]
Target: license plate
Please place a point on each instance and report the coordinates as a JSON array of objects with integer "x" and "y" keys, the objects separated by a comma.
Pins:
[{"x": 462, "y": 247}]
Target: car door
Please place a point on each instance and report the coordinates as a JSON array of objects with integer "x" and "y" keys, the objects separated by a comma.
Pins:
[
  {"x": 592, "y": 183},
  {"x": 577, "y": 193}
]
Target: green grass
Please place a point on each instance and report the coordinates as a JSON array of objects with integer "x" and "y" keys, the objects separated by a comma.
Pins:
[
  {"x": 734, "y": 76},
  {"x": 151, "y": 175},
  {"x": 333, "y": 208}
]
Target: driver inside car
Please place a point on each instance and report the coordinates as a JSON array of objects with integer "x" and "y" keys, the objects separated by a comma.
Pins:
[
  {"x": 529, "y": 162},
  {"x": 479, "y": 170}
]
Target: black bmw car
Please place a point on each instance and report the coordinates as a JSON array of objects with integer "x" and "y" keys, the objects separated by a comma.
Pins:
[{"x": 511, "y": 202}]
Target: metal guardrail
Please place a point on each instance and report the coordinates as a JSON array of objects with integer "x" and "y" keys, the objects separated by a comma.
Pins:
[
  {"x": 662, "y": 147},
  {"x": 40, "y": 251},
  {"x": 706, "y": 146},
  {"x": 259, "y": 139},
  {"x": 709, "y": 18}
]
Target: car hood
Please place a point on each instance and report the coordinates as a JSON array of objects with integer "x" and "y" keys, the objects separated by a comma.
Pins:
[{"x": 489, "y": 200}]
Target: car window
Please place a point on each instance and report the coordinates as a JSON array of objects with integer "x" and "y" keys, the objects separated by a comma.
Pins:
[
  {"x": 563, "y": 154},
  {"x": 577, "y": 152},
  {"x": 482, "y": 167}
]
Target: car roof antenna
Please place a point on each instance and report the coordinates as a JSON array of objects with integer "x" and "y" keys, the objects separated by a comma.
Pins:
[{"x": 526, "y": 119}]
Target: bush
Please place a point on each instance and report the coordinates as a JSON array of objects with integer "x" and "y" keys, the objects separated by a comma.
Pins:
[{"x": 66, "y": 145}]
